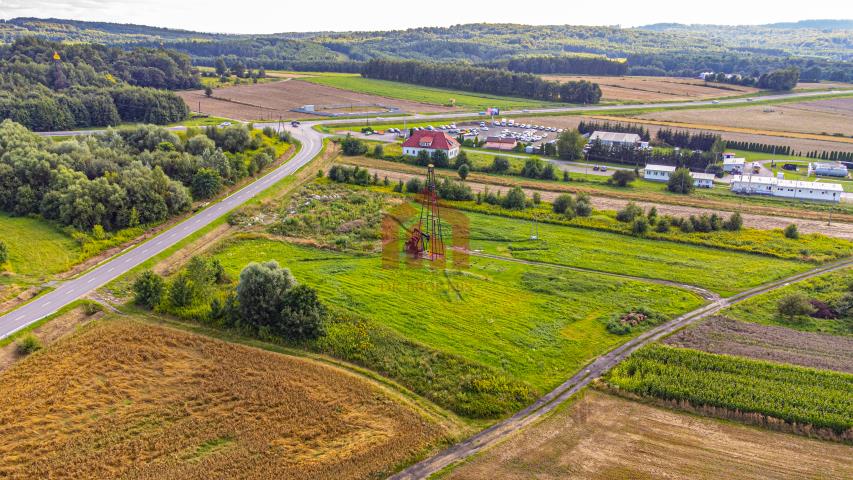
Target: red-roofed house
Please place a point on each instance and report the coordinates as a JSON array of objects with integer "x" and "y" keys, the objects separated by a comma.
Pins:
[
  {"x": 430, "y": 141},
  {"x": 500, "y": 143}
]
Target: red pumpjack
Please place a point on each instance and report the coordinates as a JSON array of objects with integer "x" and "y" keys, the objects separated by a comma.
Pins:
[{"x": 426, "y": 239}]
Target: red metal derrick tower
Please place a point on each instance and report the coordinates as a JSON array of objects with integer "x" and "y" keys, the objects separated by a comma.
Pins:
[{"x": 426, "y": 239}]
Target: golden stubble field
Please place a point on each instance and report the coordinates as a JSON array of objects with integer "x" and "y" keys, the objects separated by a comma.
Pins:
[
  {"x": 830, "y": 116},
  {"x": 656, "y": 89},
  {"x": 606, "y": 437},
  {"x": 126, "y": 399}
]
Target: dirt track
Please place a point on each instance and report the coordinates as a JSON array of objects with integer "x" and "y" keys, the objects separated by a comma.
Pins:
[
  {"x": 656, "y": 89},
  {"x": 761, "y": 222}
]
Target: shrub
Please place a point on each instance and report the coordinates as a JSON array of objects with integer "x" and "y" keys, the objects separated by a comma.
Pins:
[
  {"x": 378, "y": 151},
  {"x": 822, "y": 310},
  {"x": 640, "y": 226},
  {"x": 792, "y": 232},
  {"x": 563, "y": 203},
  {"x": 28, "y": 345},
  {"x": 795, "y": 305},
  {"x": 302, "y": 314},
  {"x": 662, "y": 225},
  {"x": 537, "y": 198},
  {"x": 352, "y": 146},
  {"x": 629, "y": 213},
  {"x": 260, "y": 291},
  {"x": 450, "y": 190},
  {"x": 414, "y": 185},
  {"x": 500, "y": 165},
  {"x": 515, "y": 199},
  {"x": 621, "y": 178},
  {"x": 148, "y": 289},
  {"x": 734, "y": 223},
  {"x": 687, "y": 226},
  {"x": 463, "y": 171},
  {"x": 4, "y": 252}
]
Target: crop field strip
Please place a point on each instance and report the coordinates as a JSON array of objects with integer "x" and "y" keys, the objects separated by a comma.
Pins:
[
  {"x": 807, "y": 398},
  {"x": 763, "y": 342}
]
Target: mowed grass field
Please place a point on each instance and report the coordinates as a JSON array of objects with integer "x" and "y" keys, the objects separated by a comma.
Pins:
[
  {"x": 127, "y": 399},
  {"x": 36, "y": 248},
  {"x": 603, "y": 437},
  {"x": 537, "y": 325},
  {"x": 724, "y": 272},
  {"x": 416, "y": 93}
]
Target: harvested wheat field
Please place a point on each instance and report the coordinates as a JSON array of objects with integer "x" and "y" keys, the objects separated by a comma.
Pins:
[
  {"x": 766, "y": 342},
  {"x": 269, "y": 101},
  {"x": 125, "y": 399},
  {"x": 821, "y": 117},
  {"x": 656, "y": 89},
  {"x": 605, "y": 437}
]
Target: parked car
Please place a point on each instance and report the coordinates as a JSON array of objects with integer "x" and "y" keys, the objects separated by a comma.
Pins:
[
  {"x": 595, "y": 167},
  {"x": 790, "y": 167},
  {"x": 225, "y": 124},
  {"x": 604, "y": 168}
]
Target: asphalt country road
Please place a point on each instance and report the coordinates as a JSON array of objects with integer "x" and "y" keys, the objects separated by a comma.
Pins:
[
  {"x": 544, "y": 405},
  {"x": 71, "y": 290}
]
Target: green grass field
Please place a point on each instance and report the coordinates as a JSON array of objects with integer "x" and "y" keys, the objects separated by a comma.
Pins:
[
  {"x": 36, "y": 248},
  {"x": 416, "y": 93},
  {"x": 828, "y": 288},
  {"x": 537, "y": 325},
  {"x": 721, "y": 271}
]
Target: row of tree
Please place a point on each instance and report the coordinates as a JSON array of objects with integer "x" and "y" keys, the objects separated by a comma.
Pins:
[
  {"x": 482, "y": 80},
  {"x": 586, "y": 127},
  {"x": 117, "y": 179},
  {"x": 704, "y": 141},
  {"x": 759, "y": 147},
  {"x": 631, "y": 156}
]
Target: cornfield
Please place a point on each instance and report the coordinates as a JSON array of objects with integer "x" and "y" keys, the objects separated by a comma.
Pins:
[{"x": 796, "y": 395}]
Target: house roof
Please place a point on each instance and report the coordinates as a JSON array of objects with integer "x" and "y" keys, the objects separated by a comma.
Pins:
[
  {"x": 431, "y": 139},
  {"x": 616, "y": 137},
  {"x": 831, "y": 165},
  {"x": 703, "y": 176},
  {"x": 734, "y": 161},
  {"x": 763, "y": 180},
  {"x": 660, "y": 168}
]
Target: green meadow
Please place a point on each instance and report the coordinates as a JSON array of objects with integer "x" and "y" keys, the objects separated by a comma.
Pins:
[{"x": 36, "y": 248}]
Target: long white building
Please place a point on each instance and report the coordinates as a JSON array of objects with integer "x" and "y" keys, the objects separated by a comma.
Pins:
[
  {"x": 794, "y": 189},
  {"x": 662, "y": 173}
]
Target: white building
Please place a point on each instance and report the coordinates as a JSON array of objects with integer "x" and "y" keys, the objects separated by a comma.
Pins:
[
  {"x": 658, "y": 173},
  {"x": 776, "y": 187},
  {"x": 703, "y": 180},
  {"x": 733, "y": 165},
  {"x": 828, "y": 169},
  {"x": 615, "y": 139}
]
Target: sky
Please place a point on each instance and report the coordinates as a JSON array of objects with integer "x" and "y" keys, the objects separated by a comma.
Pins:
[{"x": 272, "y": 16}]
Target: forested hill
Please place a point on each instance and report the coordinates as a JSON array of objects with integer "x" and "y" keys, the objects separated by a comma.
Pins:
[
  {"x": 53, "y": 86},
  {"x": 821, "y": 47}
]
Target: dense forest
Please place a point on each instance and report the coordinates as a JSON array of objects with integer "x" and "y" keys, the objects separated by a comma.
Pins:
[
  {"x": 482, "y": 80},
  {"x": 90, "y": 85},
  {"x": 123, "y": 178},
  {"x": 576, "y": 64}
]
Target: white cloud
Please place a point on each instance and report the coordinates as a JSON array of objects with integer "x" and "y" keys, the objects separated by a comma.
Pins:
[{"x": 270, "y": 16}]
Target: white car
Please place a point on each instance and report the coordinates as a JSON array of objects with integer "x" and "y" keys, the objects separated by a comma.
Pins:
[
  {"x": 225, "y": 124},
  {"x": 485, "y": 129},
  {"x": 715, "y": 102},
  {"x": 560, "y": 131},
  {"x": 430, "y": 127}
]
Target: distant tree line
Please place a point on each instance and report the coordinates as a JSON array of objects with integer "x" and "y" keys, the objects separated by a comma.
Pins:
[
  {"x": 783, "y": 79},
  {"x": 482, "y": 80},
  {"x": 703, "y": 141},
  {"x": 563, "y": 64},
  {"x": 121, "y": 178},
  {"x": 586, "y": 127}
]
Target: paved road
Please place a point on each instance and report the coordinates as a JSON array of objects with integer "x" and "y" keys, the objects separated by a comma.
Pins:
[
  {"x": 599, "y": 366},
  {"x": 73, "y": 289}
]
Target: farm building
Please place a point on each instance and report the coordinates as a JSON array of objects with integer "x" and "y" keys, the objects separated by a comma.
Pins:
[
  {"x": 703, "y": 180},
  {"x": 776, "y": 187},
  {"x": 828, "y": 169},
  {"x": 733, "y": 165},
  {"x": 658, "y": 173},
  {"x": 616, "y": 139},
  {"x": 500, "y": 143},
  {"x": 430, "y": 141}
]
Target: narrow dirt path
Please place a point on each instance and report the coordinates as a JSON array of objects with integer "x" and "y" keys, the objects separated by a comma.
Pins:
[{"x": 496, "y": 433}]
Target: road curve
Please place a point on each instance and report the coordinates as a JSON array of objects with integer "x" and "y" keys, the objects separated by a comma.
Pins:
[
  {"x": 599, "y": 366},
  {"x": 73, "y": 289}
]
